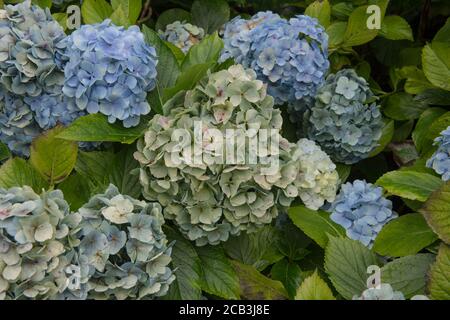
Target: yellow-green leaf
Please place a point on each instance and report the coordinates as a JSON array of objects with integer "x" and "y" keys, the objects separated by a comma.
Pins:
[{"x": 314, "y": 288}]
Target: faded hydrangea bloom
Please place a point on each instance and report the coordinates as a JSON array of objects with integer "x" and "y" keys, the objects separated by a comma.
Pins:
[
  {"x": 362, "y": 210},
  {"x": 124, "y": 247},
  {"x": 108, "y": 70},
  {"x": 28, "y": 38},
  {"x": 181, "y": 34},
  {"x": 384, "y": 292},
  {"x": 342, "y": 121},
  {"x": 211, "y": 200},
  {"x": 291, "y": 56},
  {"x": 440, "y": 161},
  {"x": 34, "y": 241}
]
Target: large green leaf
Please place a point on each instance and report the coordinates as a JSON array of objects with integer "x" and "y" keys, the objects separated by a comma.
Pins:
[
  {"x": 76, "y": 191},
  {"x": 95, "y": 127},
  {"x": 315, "y": 224},
  {"x": 122, "y": 174},
  {"x": 95, "y": 11},
  {"x": 420, "y": 133},
  {"x": 53, "y": 157},
  {"x": 120, "y": 17},
  {"x": 258, "y": 248},
  {"x": 188, "y": 269},
  {"x": 336, "y": 33},
  {"x": 409, "y": 184},
  {"x": 396, "y": 28},
  {"x": 402, "y": 106},
  {"x": 346, "y": 263},
  {"x": 408, "y": 274},
  {"x": 436, "y": 71},
  {"x": 206, "y": 51},
  {"x": 320, "y": 10},
  {"x": 314, "y": 288},
  {"x": 131, "y": 9},
  {"x": 437, "y": 212},
  {"x": 17, "y": 172},
  {"x": 219, "y": 277},
  {"x": 439, "y": 282},
  {"x": 289, "y": 274},
  {"x": 210, "y": 14},
  {"x": 255, "y": 286},
  {"x": 404, "y": 236}
]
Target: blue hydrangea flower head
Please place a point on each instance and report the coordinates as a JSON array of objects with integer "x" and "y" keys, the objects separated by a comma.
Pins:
[
  {"x": 183, "y": 35},
  {"x": 440, "y": 161},
  {"x": 108, "y": 70},
  {"x": 28, "y": 38},
  {"x": 342, "y": 121},
  {"x": 291, "y": 56},
  {"x": 362, "y": 210},
  {"x": 17, "y": 125}
]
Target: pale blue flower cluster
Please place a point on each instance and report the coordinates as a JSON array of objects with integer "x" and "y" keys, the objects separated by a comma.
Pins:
[
  {"x": 291, "y": 56},
  {"x": 362, "y": 210},
  {"x": 384, "y": 292},
  {"x": 342, "y": 121},
  {"x": 28, "y": 39},
  {"x": 182, "y": 35},
  {"x": 108, "y": 70},
  {"x": 440, "y": 161}
]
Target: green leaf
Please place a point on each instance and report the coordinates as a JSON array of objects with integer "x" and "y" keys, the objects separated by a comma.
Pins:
[
  {"x": 187, "y": 80},
  {"x": 53, "y": 158},
  {"x": 420, "y": 133},
  {"x": 343, "y": 171},
  {"x": 167, "y": 68},
  {"x": 357, "y": 32},
  {"x": 206, "y": 51},
  {"x": 188, "y": 269},
  {"x": 439, "y": 284},
  {"x": 315, "y": 224},
  {"x": 170, "y": 16},
  {"x": 409, "y": 184},
  {"x": 404, "y": 236},
  {"x": 61, "y": 18},
  {"x": 436, "y": 96},
  {"x": 177, "y": 52},
  {"x": 95, "y": 11},
  {"x": 408, "y": 274},
  {"x": 416, "y": 82},
  {"x": 95, "y": 127},
  {"x": 120, "y": 17},
  {"x": 346, "y": 263},
  {"x": 219, "y": 277},
  {"x": 257, "y": 249},
  {"x": 289, "y": 274},
  {"x": 336, "y": 33},
  {"x": 436, "y": 71},
  {"x": 402, "y": 106},
  {"x": 4, "y": 152},
  {"x": 130, "y": 8},
  {"x": 386, "y": 137},
  {"x": 94, "y": 167},
  {"x": 255, "y": 286},
  {"x": 396, "y": 28},
  {"x": 76, "y": 191},
  {"x": 437, "y": 212},
  {"x": 439, "y": 125},
  {"x": 210, "y": 14},
  {"x": 43, "y": 3},
  {"x": 17, "y": 172},
  {"x": 314, "y": 288},
  {"x": 121, "y": 175},
  {"x": 320, "y": 10}
]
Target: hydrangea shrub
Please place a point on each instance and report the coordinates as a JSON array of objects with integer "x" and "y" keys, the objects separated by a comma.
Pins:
[
  {"x": 109, "y": 70},
  {"x": 342, "y": 121},
  {"x": 291, "y": 56},
  {"x": 210, "y": 201},
  {"x": 362, "y": 210}
]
